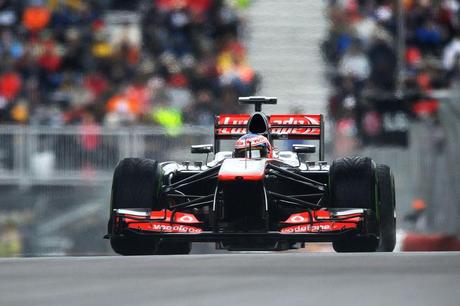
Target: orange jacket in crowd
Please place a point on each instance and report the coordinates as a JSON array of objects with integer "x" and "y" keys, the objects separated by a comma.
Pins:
[{"x": 36, "y": 18}]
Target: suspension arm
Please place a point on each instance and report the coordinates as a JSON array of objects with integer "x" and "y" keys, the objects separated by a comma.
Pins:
[
  {"x": 294, "y": 200},
  {"x": 292, "y": 175},
  {"x": 194, "y": 177}
]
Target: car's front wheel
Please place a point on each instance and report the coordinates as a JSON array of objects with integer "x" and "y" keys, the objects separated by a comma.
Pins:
[
  {"x": 353, "y": 185},
  {"x": 136, "y": 183}
]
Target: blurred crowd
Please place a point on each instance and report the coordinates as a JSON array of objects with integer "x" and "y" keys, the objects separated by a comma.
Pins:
[
  {"x": 362, "y": 52},
  {"x": 117, "y": 62}
]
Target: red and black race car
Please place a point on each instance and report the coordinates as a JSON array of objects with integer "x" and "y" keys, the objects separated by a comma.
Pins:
[{"x": 251, "y": 198}]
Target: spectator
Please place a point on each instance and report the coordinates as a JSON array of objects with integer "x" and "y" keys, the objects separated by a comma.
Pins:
[
  {"x": 383, "y": 61},
  {"x": 354, "y": 63},
  {"x": 36, "y": 17},
  {"x": 10, "y": 85},
  {"x": 66, "y": 60},
  {"x": 202, "y": 110},
  {"x": 451, "y": 54},
  {"x": 360, "y": 50}
]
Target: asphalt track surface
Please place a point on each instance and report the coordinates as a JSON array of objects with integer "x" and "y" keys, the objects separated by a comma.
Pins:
[{"x": 234, "y": 279}]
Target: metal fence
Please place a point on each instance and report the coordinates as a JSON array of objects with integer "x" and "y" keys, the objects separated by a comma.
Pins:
[{"x": 82, "y": 155}]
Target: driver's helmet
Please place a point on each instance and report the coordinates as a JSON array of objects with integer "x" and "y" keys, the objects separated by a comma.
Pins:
[{"x": 253, "y": 146}]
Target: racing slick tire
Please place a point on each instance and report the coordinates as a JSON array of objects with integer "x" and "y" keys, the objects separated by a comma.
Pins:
[
  {"x": 136, "y": 182},
  {"x": 129, "y": 246},
  {"x": 387, "y": 201},
  {"x": 352, "y": 184}
]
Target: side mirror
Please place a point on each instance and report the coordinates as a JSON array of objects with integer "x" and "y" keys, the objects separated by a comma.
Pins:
[
  {"x": 202, "y": 149},
  {"x": 303, "y": 148}
]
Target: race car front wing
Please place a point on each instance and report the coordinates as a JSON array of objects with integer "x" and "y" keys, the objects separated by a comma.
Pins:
[{"x": 321, "y": 225}]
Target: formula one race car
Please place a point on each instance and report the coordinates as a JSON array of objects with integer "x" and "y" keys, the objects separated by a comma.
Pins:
[{"x": 254, "y": 197}]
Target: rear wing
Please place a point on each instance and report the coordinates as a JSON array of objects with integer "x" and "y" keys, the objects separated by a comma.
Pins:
[{"x": 301, "y": 127}]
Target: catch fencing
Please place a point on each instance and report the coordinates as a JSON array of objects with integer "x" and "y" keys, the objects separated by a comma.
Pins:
[{"x": 85, "y": 154}]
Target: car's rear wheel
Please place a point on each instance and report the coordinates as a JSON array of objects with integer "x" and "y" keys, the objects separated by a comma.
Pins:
[
  {"x": 353, "y": 185},
  {"x": 136, "y": 183},
  {"x": 387, "y": 207}
]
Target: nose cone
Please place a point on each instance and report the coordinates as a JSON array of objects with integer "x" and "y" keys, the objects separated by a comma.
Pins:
[{"x": 242, "y": 169}]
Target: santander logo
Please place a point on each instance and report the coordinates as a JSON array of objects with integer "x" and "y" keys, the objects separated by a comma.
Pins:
[
  {"x": 291, "y": 122},
  {"x": 286, "y": 124},
  {"x": 237, "y": 120}
]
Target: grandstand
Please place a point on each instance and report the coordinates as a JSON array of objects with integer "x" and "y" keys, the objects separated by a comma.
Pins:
[{"x": 119, "y": 63}]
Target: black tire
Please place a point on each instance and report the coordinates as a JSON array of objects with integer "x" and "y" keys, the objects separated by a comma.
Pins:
[
  {"x": 352, "y": 184},
  {"x": 356, "y": 244},
  {"x": 131, "y": 246},
  {"x": 136, "y": 184},
  {"x": 387, "y": 202},
  {"x": 173, "y": 248}
]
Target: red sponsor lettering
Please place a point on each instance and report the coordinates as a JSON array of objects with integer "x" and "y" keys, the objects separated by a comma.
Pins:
[
  {"x": 164, "y": 227},
  {"x": 289, "y": 123},
  {"x": 239, "y": 121},
  {"x": 284, "y": 124},
  {"x": 319, "y": 227},
  {"x": 174, "y": 228},
  {"x": 307, "y": 228}
]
